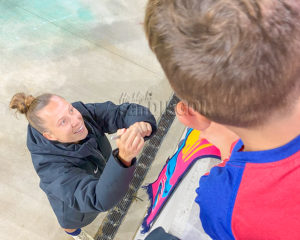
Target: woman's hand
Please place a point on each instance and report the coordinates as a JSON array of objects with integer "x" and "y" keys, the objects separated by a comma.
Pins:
[
  {"x": 144, "y": 128},
  {"x": 130, "y": 144}
]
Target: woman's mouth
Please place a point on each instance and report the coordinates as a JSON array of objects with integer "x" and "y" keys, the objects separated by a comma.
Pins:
[{"x": 80, "y": 130}]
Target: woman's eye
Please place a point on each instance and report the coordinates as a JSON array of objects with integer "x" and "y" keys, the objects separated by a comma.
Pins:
[
  {"x": 63, "y": 122},
  {"x": 71, "y": 110}
]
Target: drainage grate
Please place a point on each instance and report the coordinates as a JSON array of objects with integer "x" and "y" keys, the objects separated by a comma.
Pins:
[{"x": 114, "y": 217}]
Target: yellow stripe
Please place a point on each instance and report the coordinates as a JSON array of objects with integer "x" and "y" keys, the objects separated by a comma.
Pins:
[{"x": 199, "y": 148}]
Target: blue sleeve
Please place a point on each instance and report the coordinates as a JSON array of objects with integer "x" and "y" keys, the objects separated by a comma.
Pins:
[
  {"x": 112, "y": 117},
  {"x": 87, "y": 193},
  {"x": 160, "y": 234},
  {"x": 216, "y": 197}
]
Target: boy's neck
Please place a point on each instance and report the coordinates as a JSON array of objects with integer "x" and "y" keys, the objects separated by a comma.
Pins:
[{"x": 274, "y": 134}]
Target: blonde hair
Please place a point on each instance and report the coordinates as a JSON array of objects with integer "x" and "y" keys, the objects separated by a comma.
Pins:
[{"x": 30, "y": 106}]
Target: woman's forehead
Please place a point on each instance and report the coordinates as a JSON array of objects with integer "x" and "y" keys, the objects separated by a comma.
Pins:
[{"x": 55, "y": 109}]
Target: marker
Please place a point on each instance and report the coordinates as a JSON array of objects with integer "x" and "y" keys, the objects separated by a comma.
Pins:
[{"x": 116, "y": 137}]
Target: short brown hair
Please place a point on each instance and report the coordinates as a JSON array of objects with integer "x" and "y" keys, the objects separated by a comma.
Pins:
[
  {"x": 235, "y": 61},
  {"x": 30, "y": 106}
]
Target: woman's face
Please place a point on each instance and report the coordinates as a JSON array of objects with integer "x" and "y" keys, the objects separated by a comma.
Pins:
[{"x": 63, "y": 122}]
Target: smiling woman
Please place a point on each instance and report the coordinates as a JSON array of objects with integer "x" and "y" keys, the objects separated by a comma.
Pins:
[
  {"x": 62, "y": 121},
  {"x": 52, "y": 116},
  {"x": 70, "y": 152}
]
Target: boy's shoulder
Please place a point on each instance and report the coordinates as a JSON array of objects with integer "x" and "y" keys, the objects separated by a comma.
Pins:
[{"x": 231, "y": 196}]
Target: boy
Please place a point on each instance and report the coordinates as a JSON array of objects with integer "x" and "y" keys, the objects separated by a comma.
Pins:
[{"x": 236, "y": 63}]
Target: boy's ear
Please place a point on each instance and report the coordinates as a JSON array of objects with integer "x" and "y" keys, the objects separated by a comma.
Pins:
[
  {"x": 191, "y": 118},
  {"x": 49, "y": 136}
]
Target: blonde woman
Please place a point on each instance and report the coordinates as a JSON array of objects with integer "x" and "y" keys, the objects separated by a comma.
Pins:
[{"x": 78, "y": 170}]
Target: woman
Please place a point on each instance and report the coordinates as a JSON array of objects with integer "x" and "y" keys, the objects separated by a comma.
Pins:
[{"x": 78, "y": 171}]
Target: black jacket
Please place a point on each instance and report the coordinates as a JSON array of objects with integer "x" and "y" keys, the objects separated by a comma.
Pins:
[
  {"x": 83, "y": 179},
  {"x": 160, "y": 234}
]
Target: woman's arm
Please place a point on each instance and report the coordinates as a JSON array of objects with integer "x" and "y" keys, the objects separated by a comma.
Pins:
[
  {"x": 86, "y": 193},
  {"x": 112, "y": 117}
]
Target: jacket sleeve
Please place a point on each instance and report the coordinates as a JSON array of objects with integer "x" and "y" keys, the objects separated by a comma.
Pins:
[
  {"x": 112, "y": 117},
  {"x": 160, "y": 234},
  {"x": 86, "y": 193}
]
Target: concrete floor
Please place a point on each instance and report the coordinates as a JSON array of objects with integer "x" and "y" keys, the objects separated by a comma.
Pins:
[
  {"x": 137, "y": 211},
  {"x": 85, "y": 50}
]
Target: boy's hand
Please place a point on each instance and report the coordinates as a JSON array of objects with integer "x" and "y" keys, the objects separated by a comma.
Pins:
[
  {"x": 130, "y": 144},
  {"x": 144, "y": 128}
]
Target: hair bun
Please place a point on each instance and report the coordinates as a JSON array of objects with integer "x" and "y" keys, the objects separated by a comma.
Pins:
[
  {"x": 28, "y": 100},
  {"x": 21, "y": 102}
]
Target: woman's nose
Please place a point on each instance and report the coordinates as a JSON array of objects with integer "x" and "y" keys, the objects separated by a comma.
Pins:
[{"x": 75, "y": 122}]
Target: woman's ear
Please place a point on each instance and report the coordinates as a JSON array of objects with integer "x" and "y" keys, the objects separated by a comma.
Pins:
[
  {"x": 190, "y": 117},
  {"x": 49, "y": 136}
]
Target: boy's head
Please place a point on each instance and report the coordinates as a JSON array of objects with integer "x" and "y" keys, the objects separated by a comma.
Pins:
[{"x": 236, "y": 62}]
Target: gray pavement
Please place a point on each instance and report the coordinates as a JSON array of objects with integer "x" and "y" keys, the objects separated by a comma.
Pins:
[{"x": 85, "y": 50}]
